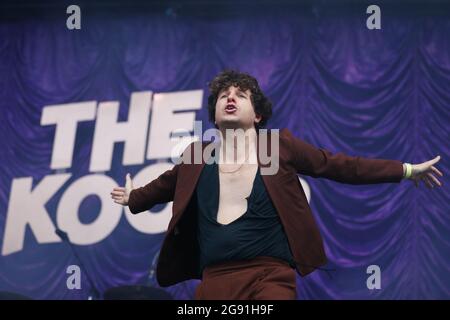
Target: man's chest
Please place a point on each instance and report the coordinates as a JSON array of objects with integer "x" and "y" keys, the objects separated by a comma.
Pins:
[
  {"x": 234, "y": 190},
  {"x": 238, "y": 184}
]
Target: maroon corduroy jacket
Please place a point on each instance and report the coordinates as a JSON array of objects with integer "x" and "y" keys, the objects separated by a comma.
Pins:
[{"x": 178, "y": 259}]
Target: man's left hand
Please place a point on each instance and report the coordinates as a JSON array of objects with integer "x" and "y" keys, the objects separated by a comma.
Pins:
[{"x": 424, "y": 171}]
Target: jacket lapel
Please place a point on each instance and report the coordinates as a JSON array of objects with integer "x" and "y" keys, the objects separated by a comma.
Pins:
[{"x": 187, "y": 179}]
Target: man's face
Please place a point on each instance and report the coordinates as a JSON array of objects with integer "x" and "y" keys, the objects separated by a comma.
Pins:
[{"x": 234, "y": 109}]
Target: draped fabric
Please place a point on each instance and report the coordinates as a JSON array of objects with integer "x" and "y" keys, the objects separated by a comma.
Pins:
[{"x": 333, "y": 82}]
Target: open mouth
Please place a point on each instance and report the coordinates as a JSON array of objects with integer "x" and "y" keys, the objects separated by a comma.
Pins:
[{"x": 230, "y": 108}]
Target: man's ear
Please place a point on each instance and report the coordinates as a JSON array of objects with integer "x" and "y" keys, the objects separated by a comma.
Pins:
[{"x": 258, "y": 118}]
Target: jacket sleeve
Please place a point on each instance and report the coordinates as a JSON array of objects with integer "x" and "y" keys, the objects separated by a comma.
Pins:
[
  {"x": 160, "y": 190},
  {"x": 321, "y": 163}
]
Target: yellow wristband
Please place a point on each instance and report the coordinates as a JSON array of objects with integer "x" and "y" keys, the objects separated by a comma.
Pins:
[{"x": 408, "y": 170}]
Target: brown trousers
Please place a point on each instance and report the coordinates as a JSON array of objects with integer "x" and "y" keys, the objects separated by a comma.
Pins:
[{"x": 262, "y": 278}]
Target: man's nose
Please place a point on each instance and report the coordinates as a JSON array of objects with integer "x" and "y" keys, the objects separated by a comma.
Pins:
[{"x": 230, "y": 97}]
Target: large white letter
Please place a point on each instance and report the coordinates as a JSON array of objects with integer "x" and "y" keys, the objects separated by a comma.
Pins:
[
  {"x": 107, "y": 220},
  {"x": 133, "y": 132},
  {"x": 165, "y": 121},
  {"x": 150, "y": 222},
  {"x": 66, "y": 117},
  {"x": 28, "y": 207}
]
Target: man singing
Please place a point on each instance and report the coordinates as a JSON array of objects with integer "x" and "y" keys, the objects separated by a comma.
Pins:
[{"x": 245, "y": 232}]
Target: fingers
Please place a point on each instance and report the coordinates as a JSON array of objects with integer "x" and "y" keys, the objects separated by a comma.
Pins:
[
  {"x": 118, "y": 196},
  {"x": 435, "y": 170},
  {"x": 433, "y": 179},
  {"x": 427, "y": 181}
]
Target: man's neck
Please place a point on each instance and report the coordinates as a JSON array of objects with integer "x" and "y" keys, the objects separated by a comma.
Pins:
[{"x": 238, "y": 146}]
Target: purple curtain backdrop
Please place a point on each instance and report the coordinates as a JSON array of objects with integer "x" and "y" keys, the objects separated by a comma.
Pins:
[{"x": 334, "y": 83}]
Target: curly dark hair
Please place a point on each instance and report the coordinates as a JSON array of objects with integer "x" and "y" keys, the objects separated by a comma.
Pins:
[{"x": 243, "y": 81}]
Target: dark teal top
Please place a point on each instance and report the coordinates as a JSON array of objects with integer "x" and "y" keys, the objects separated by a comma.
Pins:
[{"x": 258, "y": 232}]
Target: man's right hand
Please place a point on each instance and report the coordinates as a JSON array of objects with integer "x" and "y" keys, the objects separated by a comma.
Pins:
[{"x": 121, "y": 194}]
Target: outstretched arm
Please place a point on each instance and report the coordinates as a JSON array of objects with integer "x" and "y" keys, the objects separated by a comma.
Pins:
[
  {"x": 160, "y": 190},
  {"x": 321, "y": 163}
]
